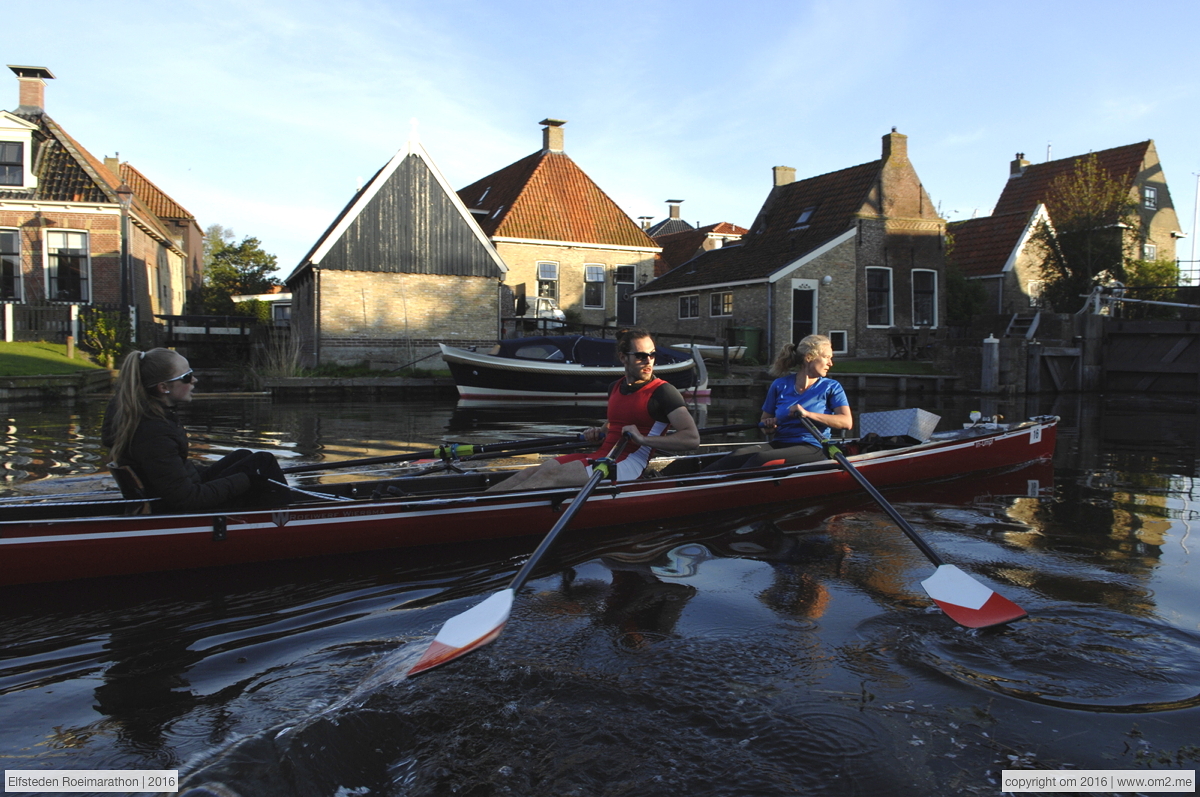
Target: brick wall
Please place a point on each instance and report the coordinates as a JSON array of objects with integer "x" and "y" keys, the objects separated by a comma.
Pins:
[
  {"x": 390, "y": 319},
  {"x": 104, "y": 239},
  {"x": 522, "y": 260}
]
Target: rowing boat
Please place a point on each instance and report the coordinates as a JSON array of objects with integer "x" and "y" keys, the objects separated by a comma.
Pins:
[{"x": 399, "y": 512}]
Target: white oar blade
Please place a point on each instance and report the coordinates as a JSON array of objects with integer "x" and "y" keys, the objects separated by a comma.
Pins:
[
  {"x": 969, "y": 602},
  {"x": 465, "y": 632}
]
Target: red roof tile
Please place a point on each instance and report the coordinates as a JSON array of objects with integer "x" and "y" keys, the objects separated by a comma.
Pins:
[
  {"x": 778, "y": 237},
  {"x": 155, "y": 198},
  {"x": 1024, "y": 193},
  {"x": 680, "y": 247},
  {"x": 545, "y": 196},
  {"x": 983, "y": 246}
]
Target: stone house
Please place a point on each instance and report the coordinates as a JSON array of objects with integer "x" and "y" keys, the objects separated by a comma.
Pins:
[
  {"x": 561, "y": 236},
  {"x": 848, "y": 254},
  {"x": 402, "y": 267},
  {"x": 997, "y": 249},
  {"x": 65, "y": 231}
]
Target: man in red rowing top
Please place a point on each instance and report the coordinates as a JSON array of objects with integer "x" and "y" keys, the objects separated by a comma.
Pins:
[{"x": 640, "y": 405}]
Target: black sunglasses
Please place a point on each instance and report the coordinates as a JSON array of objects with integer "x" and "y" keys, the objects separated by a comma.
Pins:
[
  {"x": 642, "y": 356},
  {"x": 185, "y": 378}
]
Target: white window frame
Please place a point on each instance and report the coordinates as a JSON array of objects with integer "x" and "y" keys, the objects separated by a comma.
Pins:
[
  {"x": 593, "y": 273},
  {"x": 546, "y": 268},
  {"x": 693, "y": 302},
  {"x": 1149, "y": 251},
  {"x": 51, "y": 274},
  {"x": 717, "y": 298},
  {"x": 1150, "y": 197},
  {"x": 833, "y": 341},
  {"x": 18, "y": 281},
  {"x": 891, "y": 299},
  {"x": 1035, "y": 290},
  {"x": 934, "y": 274}
]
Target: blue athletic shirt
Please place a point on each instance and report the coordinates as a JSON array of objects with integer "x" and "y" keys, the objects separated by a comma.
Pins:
[{"x": 825, "y": 396}]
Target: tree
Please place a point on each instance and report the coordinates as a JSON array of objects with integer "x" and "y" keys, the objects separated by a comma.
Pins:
[
  {"x": 216, "y": 238},
  {"x": 234, "y": 270},
  {"x": 1093, "y": 227}
]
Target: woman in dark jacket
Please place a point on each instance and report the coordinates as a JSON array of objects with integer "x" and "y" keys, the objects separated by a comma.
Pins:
[{"x": 142, "y": 431}]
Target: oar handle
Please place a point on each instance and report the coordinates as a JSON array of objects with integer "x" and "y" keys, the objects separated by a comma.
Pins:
[
  {"x": 836, "y": 453},
  {"x": 600, "y": 470}
]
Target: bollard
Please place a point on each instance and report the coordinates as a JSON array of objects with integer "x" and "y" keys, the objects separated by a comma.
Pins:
[
  {"x": 990, "y": 381},
  {"x": 70, "y": 347}
]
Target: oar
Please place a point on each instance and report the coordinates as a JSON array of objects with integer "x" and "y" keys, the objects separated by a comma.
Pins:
[
  {"x": 482, "y": 623},
  {"x": 967, "y": 601},
  {"x": 445, "y": 451},
  {"x": 473, "y": 451}
]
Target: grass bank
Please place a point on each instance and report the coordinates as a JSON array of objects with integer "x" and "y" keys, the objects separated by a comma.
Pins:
[{"x": 41, "y": 359}]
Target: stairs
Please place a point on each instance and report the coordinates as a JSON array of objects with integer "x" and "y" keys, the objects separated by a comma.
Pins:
[{"x": 1022, "y": 326}]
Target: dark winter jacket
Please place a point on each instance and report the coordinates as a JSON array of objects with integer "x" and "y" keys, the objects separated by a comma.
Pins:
[{"x": 159, "y": 456}]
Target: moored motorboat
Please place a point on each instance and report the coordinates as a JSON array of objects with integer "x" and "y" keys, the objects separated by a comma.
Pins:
[
  {"x": 412, "y": 511},
  {"x": 561, "y": 367}
]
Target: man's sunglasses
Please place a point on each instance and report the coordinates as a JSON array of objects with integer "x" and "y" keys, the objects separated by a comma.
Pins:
[
  {"x": 642, "y": 356},
  {"x": 185, "y": 378}
]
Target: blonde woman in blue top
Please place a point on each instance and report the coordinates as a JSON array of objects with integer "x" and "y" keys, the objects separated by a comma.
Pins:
[{"x": 801, "y": 390}]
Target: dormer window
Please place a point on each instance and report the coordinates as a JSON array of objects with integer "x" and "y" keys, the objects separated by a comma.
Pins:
[
  {"x": 12, "y": 163},
  {"x": 803, "y": 219}
]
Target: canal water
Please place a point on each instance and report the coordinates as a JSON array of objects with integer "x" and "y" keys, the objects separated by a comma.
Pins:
[{"x": 787, "y": 650}]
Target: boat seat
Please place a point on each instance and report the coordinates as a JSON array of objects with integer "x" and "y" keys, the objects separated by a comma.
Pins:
[{"x": 131, "y": 488}]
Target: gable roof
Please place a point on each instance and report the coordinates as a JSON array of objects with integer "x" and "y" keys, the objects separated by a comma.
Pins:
[
  {"x": 406, "y": 219},
  {"x": 547, "y": 197},
  {"x": 987, "y": 246},
  {"x": 67, "y": 172},
  {"x": 155, "y": 198},
  {"x": 1028, "y": 189},
  {"x": 680, "y": 247},
  {"x": 777, "y": 237}
]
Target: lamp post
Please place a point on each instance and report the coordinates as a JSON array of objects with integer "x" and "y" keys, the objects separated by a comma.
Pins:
[{"x": 125, "y": 199}]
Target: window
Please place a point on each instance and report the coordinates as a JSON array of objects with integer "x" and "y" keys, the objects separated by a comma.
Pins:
[
  {"x": 924, "y": 297},
  {"x": 10, "y": 265},
  {"x": 879, "y": 297},
  {"x": 593, "y": 286},
  {"x": 720, "y": 304},
  {"x": 548, "y": 280},
  {"x": 1034, "y": 289},
  {"x": 67, "y": 264},
  {"x": 804, "y": 217},
  {"x": 12, "y": 163},
  {"x": 837, "y": 340},
  {"x": 1149, "y": 252},
  {"x": 1149, "y": 197},
  {"x": 689, "y": 306}
]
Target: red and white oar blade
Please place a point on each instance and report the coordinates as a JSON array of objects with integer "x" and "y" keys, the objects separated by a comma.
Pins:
[
  {"x": 969, "y": 602},
  {"x": 465, "y": 632}
]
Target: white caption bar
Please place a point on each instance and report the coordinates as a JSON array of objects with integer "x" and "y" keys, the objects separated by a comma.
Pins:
[
  {"x": 1098, "y": 780},
  {"x": 17, "y": 781}
]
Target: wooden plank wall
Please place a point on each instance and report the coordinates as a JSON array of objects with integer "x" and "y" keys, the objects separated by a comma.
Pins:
[{"x": 1157, "y": 356}]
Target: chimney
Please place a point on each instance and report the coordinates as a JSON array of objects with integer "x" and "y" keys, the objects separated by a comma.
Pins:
[
  {"x": 645, "y": 221},
  {"x": 784, "y": 175},
  {"x": 1017, "y": 167},
  {"x": 895, "y": 146},
  {"x": 552, "y": 135},
  {"x": 32, "y": 80},
  {"x": 673, "y": 205}
]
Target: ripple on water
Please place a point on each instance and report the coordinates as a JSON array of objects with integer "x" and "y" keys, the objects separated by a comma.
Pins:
[{"x": 1083, "y": 659}]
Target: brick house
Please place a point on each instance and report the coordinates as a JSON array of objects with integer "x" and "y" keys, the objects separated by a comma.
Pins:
[
  {"x": 64, "y": 231},
  {"x": 561, "y": 235},
  {"x": 848, "y": 254},
  {"x": 997, "y": 249},
  {"x": 402, "y": 267}
]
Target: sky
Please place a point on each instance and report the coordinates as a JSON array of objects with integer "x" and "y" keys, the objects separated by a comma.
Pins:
[{"x": 265, "y": 116}]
